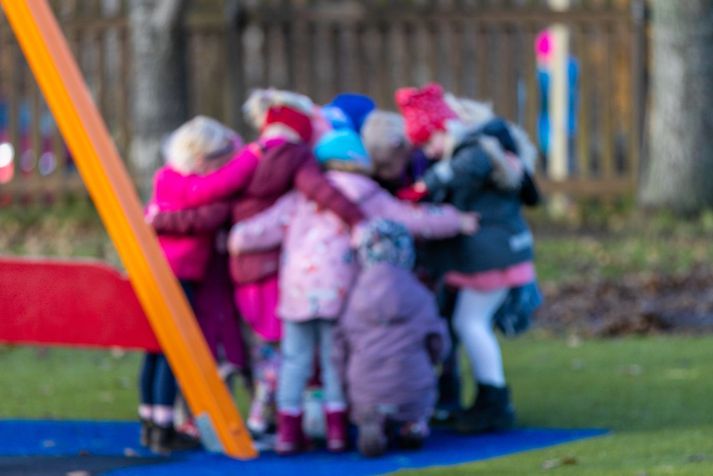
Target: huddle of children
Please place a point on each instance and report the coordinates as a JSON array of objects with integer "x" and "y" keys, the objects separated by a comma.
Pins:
[{"x": 321, "y": 259}]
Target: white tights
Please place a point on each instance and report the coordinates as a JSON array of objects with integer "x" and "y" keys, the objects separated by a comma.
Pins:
[{"x": 473, "y": 323}]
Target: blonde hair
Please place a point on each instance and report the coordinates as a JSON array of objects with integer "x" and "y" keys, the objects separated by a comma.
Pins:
[
  {"x": 383, "y": 131},
  {"x": 474, "y": 114},
  {"x": 190, "y": 143},
  {"x": 261, "y": 100},
  {"x": 471, "y": 112}
]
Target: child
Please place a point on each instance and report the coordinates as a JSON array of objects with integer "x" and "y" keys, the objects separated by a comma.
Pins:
[
  {"x": 478, "y": 171},
  {"x": 388, "y": 340},
  {"x": 190, "y": 149},
  {"x": 285, "y": 160},
  {"x": 317, "y": 272},
  {"x": 397, "y": 164}
]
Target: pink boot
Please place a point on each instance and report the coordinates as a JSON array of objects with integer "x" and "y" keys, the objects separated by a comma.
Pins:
[
  {"x": 290, "y": 439},
  {"x": 336, "y": 431}
]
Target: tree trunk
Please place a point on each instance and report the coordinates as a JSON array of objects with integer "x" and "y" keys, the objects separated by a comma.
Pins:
[
  {"x": 160, "y": 93},
  {"x": 680, "y": 169}
]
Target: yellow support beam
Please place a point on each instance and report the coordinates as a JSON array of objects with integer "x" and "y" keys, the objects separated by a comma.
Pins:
[{"x": 112, "y": 191}]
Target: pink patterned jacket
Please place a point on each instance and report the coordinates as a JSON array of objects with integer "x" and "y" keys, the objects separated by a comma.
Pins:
[{"x": 318, "y": 264}]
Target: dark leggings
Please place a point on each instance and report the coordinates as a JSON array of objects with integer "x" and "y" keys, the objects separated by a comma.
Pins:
[
  {"x": 157, "y": 385},
  {"x": 449, "y": 384}
]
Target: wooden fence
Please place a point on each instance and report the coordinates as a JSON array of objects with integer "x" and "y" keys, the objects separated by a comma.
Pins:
[{"x": 476, "y": 48}]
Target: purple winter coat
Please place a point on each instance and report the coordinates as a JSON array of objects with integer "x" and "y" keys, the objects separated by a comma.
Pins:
[{"x": 386, "y": 344}]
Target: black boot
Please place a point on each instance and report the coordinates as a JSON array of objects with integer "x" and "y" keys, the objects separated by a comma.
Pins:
[
  {"x": 165, "y": 439},
  {"x": 448, "y": 405},
  {"x": 491, "y": 412},
  {"x": 145, "y": 432}
]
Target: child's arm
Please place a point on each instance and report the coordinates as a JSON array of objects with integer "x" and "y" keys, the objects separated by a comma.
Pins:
[
  {"x": 470, "y": 167},
  {"x": 314, "y": 185},
  {"x": 425, "y": 221},
  {"x": 197, "y": 190},
  {"x": 191, "y": 221},
  {"x": 265, "y": 230}
]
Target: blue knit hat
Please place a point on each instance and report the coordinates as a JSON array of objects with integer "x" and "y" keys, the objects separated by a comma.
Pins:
[
  {"x": 343, "y": 147},
  {"x": 385, "y": 241},
  {"x": 337, "y": 118},
  {"x": 355, "y": 106}
]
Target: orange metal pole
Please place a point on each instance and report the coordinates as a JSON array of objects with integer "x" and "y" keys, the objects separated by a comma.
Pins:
[{"x": 110, "y": 187}]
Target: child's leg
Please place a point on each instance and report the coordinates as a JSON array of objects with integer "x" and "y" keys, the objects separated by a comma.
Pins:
[
  {"x": 164, "y": 391},
  {"x": 266, "y": 365},
  {"x": 298, "y": 348},
  {"x": 257, "y": 304},
  {"x": 146, "y": 379},
  {"x": 473, "y": 322},
  {"x": 146, "y": 397},
  {"x": 335, "y": 402},
  {"x": 492, "y": 410},
  {"x": 331, "y": 380},
  {"x": 449, "y": 388}
]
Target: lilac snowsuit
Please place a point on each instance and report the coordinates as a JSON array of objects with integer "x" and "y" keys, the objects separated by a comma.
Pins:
[{"x": 386, "y": 344}]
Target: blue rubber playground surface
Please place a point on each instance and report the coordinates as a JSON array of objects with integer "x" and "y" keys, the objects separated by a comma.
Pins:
[{"x": 111, "y": 448}]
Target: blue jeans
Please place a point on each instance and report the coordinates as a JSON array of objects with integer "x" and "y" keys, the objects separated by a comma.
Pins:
[
  {"x": 300, "y": 341},
  {"x": 157, "y": 384}
]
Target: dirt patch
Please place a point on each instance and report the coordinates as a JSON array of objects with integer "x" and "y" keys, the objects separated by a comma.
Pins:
[{"x": 635, "y": 304}]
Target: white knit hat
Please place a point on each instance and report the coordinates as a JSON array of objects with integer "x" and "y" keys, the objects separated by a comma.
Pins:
[
  {"x": 196, "y": 139},
  {"x": 383, "y": 131},
  {"x": 261, "y": 100}
]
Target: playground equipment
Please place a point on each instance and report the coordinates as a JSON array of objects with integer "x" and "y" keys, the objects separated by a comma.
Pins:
[
  {"x": 70, "y": 303},
  {"x": 119, "y": 207}
]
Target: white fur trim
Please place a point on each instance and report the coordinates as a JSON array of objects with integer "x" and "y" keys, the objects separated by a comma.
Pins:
[
  {"x": 444, "y": 171},
  {"x": 261, "y": 100},
  {"x": 471, "y": 112},
  {"x": 383, "y": 131},
  {"x": 527, "y": 150},
  {"x": 505, "y": 174}
]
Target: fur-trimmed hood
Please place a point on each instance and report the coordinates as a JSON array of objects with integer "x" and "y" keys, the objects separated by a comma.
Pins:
[{"x": 473, "y": 116}]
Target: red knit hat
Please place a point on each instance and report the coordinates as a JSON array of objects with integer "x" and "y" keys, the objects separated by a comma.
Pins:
[
  {"x": 292, "y": 118},
  {"x": 424, "y": 110}
]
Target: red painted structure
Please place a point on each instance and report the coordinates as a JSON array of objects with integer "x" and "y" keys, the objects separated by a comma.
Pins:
[{"x": 70, "y": 303}]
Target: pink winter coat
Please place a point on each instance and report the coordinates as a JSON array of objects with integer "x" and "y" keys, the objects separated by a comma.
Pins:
[
  {"x": 188, "y": 255},
  {"x": 318, "y": 264}
]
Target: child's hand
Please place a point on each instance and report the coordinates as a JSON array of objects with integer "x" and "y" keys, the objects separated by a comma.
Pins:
[
  {"x": 233, "y": 241},
  {"x": 414, "y": 193},
  {"x": 469, "y": 223},
  {"x": 151, "y": 212}
]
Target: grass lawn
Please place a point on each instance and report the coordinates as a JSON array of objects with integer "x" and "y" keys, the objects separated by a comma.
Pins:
[{"x": 653, "y": 393}]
